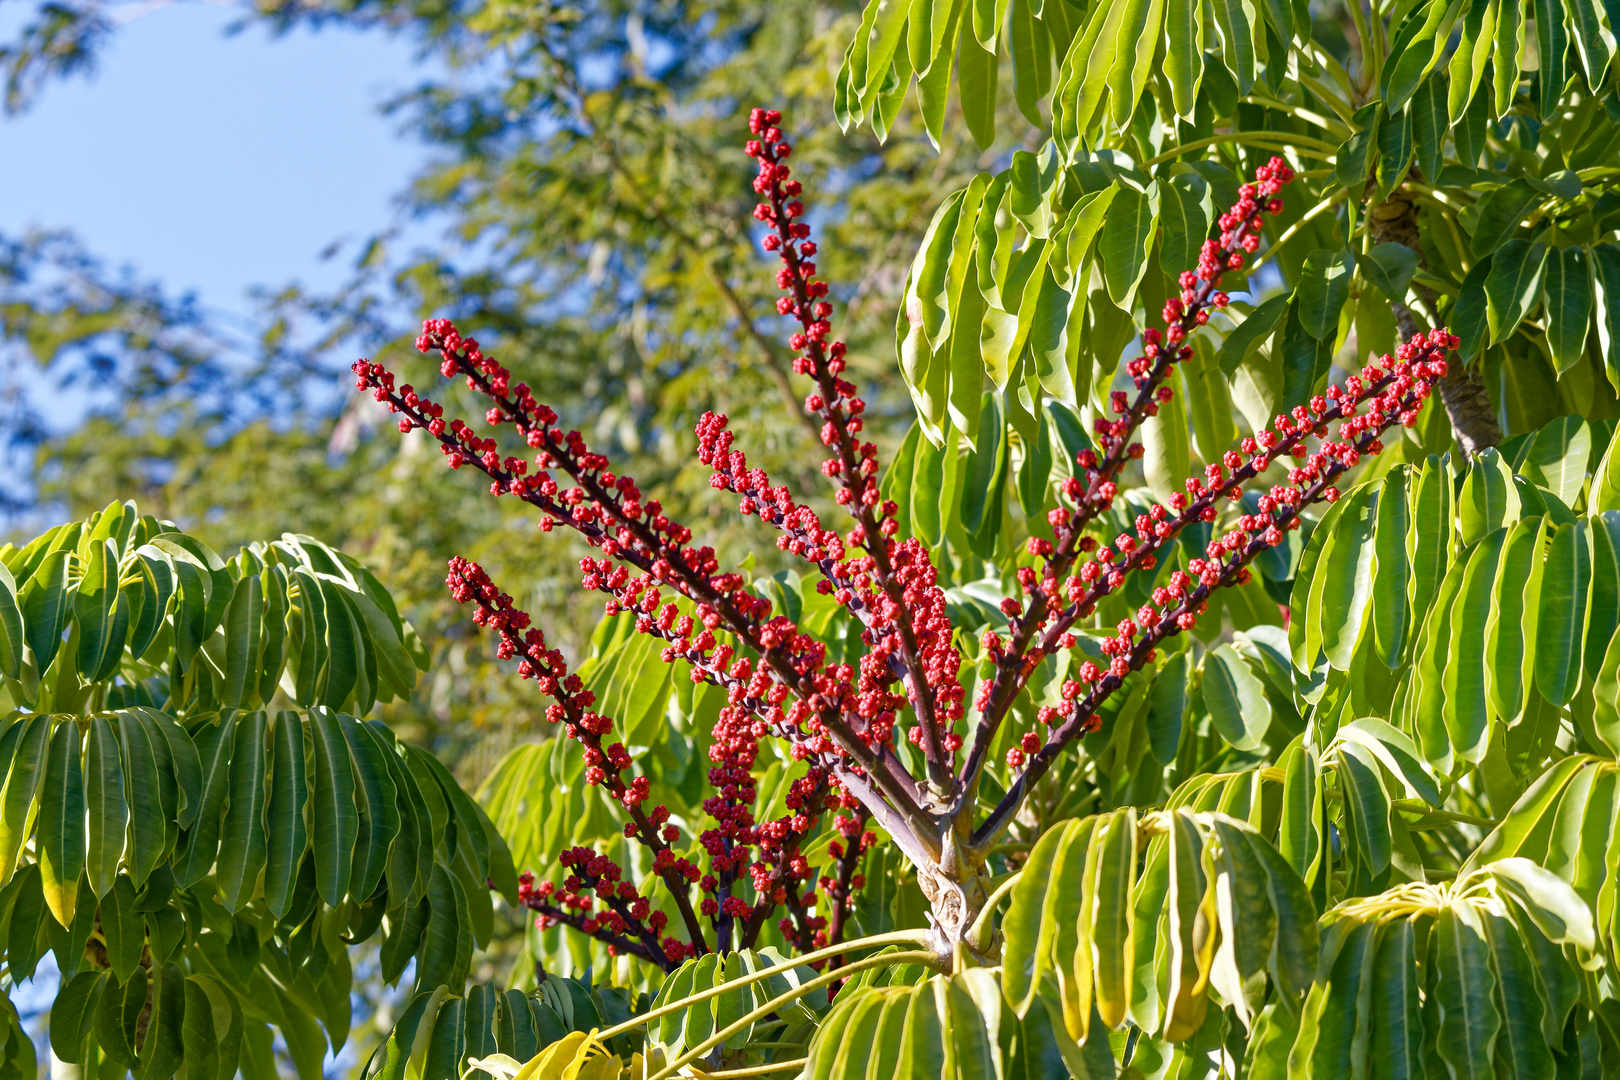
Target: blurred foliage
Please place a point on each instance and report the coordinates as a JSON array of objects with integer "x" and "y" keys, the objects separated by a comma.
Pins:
[{"x": 595, "y": 203}]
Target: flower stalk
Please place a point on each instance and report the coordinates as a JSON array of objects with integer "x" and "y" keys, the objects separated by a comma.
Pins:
[{"x": 841, "y": 721}]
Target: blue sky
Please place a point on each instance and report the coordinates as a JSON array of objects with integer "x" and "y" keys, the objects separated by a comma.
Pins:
[{"x": 216, "y": 162}]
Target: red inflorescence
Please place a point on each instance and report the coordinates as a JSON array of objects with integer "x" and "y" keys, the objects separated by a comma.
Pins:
[{"x": 841, "y": 720}]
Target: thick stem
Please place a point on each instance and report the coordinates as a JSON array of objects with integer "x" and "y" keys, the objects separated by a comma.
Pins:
[{"x": 1467, "y": 402}]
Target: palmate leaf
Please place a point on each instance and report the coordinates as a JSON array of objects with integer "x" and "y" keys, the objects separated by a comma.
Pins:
[
  {"x": 1222, "y": 895},
  {"x": 199, "y": 868}
]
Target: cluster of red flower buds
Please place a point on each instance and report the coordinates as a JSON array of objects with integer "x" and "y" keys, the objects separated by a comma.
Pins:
[
  {"x": 1091, "y": 491},
  {"x": 835, "y": 717},
  {"x": 1385, "y": 394},
  {"x": 841, "y": 719},
  {"x": 893, "y": 587}
]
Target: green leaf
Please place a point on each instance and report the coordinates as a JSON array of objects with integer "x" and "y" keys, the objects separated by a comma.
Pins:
[
  {"x": 1429, "y": 124},
  {"x": 1510, "y": 632},
  {"x": 1184, "y": 219},
  {"x": 985, "y": 467},
  {"x": 1513, "y": 286},
  {"x": 194, "y": 856},
  {"x": 1468, "y": 63},
  {"x": 1233, "y": 18},
  {"x": 1466, "y": 710},
  {"x": 1166, "y": 457},
  {"x": 1395, "y": 147},
  {"x": 27, "y": 767},
  {"x": 73, "y": 1015},
  {"x": 1126, "y": 240},
  {"x": 243, "y": 622},
  {"x": 1470, "y": 317},
  {"x": 143, "y": 787},
  {"x": 883, "y": 37},
  {"x": 1184, "y": 54},
  {"x": 1556, "y": 457},
  {"x": 1605, "y": 260},
  {"x": 123, "y": 928},
  {"x": 439, "y": 957},
  {"x": 1323, "y": 290},
  {"x": 44, "y": 605},
  {"x": 284, "y": 814},
  {"x": 164, "y": 1044},
  {"x": 334, "y": 820},
  {"x": 116, "y": 1017},
  {"x": 1390, "y": 267},
  {"x": 1191, "y": 945},
  {"x": 1463, "y": 988},
  {"x": 1298, "y": 839},
  {"x": 379, "y": 819},
  {"x": 1520, "y": 1044},
  {"x": 1167, "y": 703},
  {"x": 1500, "y": 213},
  {"x": 1112, "y": 932},
  {"x": 1569, "y": 307},
  {"x": 1564, "y": 585},
  {"x": 976, "y": 89},
  {"x": 243, "y": 842},
  {"x": 1488, "y": 498},
  {"x": 107, "y": 812},
  {"x": 1347, "y": 583},
  {"x": 1552, "y": 42},
  {"x": 1366, "y": 807},
  {"x": 1331, "y": 1033},
  {"x": 1236, "y": 699},
  {"x": 1249, "y": 333},
  {"x": 101, "y": 636},
  {"x": 1397, "y": 1024},
  {"x": 59, "y": 839},
  {"x": 11, "y": 627},
  {"x": 1391, "y": 570}
]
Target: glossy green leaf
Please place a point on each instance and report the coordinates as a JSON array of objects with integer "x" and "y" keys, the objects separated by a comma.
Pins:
[
  {"x": 12, "y": 639},
  {"x": 1248, "y": 334},
  {"x": 26, "y": 770},
  {"x": 334, "y": 821},
  {"x": 101, "y": 634},
  {"x": 1184, "y": 53},
  {"x": 1488, "y": 499},
  {"x": 1499, "y": 215},
  {"x": 1390, "y": 573},
  {"x": 1236, "y": 699},
  {"x": 284, "y": 812},
  {"x": 44, "y": 603},
  {"x": 59, "y": 837},
  {"x": 1569, "y": 306},
  {"x": 1510, "y": 630},
  {"x": 1112, "y": 936},
  {"x": 1396, "y": 1049},
  {"x": 199, "y": 845},
  {"x": 1513, "y": 286},
  {"x": 143, "y": 787},
  {"x": 1559, "y": 636},
  {"x": 107, "y": 810},
  {"x": 1468, "y": 1018},
  {"x": 1347, "y": 576},
  {"x": 123, "y": 929},
  {"x": 1390, "y": 267},
  {"x": 1126, "y": 240},
  {"x": 1323, "y": 290},
  {"x": 243, "y": 843}
]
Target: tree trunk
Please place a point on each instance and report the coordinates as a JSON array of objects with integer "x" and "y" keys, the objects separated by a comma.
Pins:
[{"x": 1467, "y": 403}]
